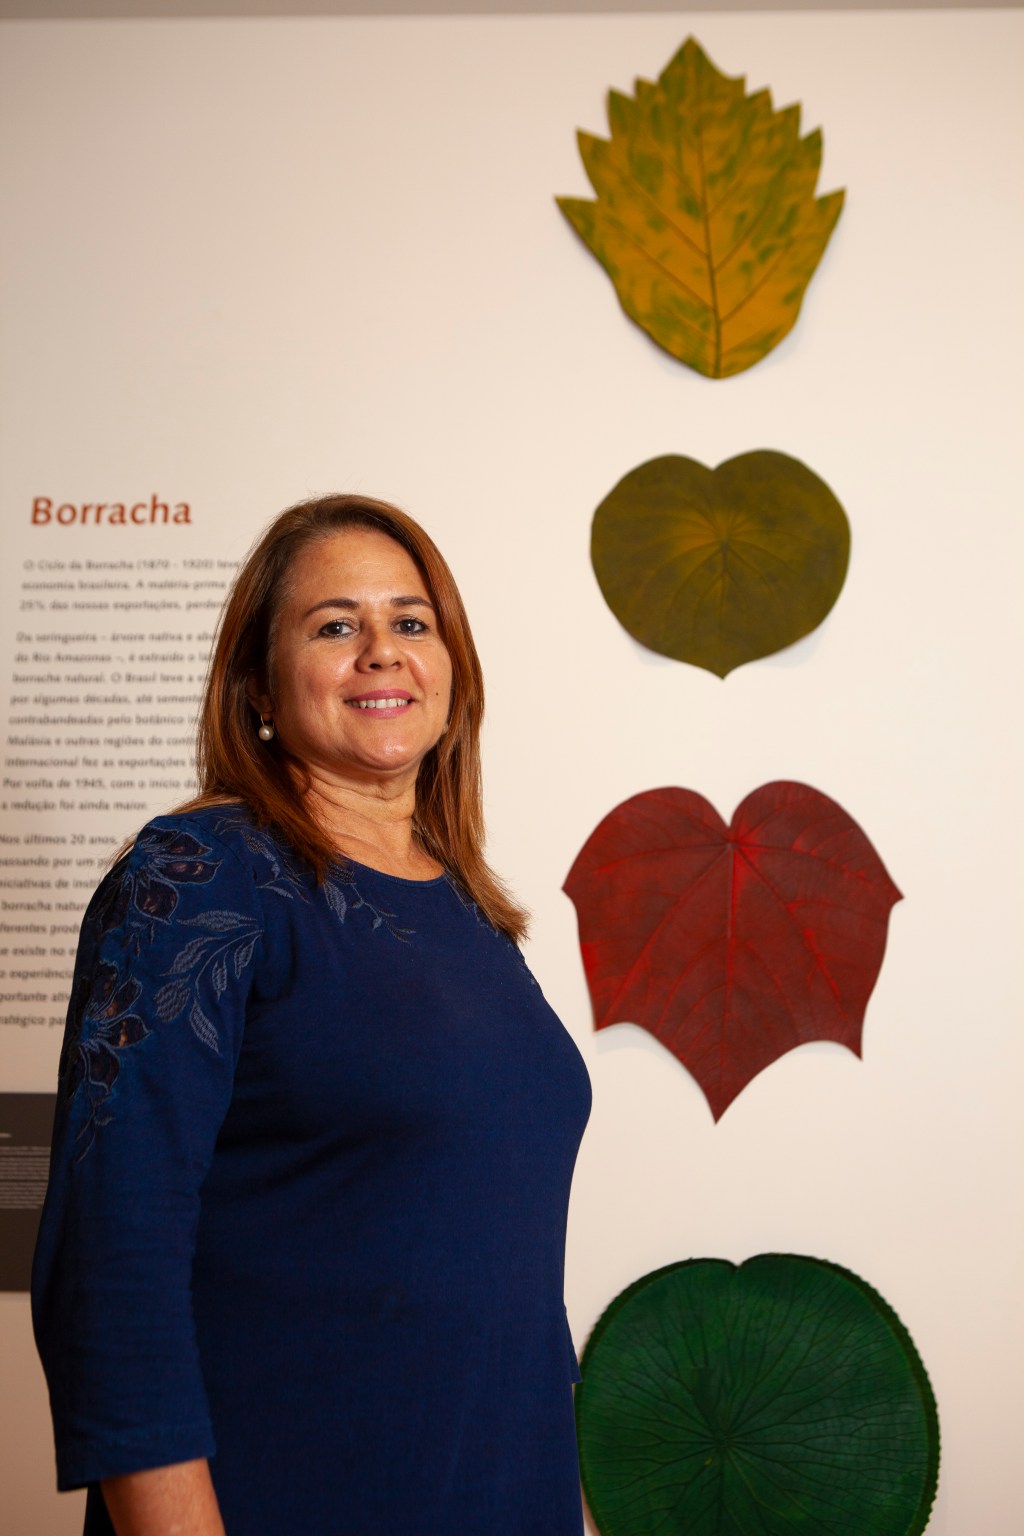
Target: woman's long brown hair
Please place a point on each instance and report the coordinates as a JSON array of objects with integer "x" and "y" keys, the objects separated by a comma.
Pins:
[{"x": 233, "y": 764}]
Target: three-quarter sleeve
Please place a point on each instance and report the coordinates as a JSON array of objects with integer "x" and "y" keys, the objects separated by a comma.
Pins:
[{"x": 169, "y": 949}]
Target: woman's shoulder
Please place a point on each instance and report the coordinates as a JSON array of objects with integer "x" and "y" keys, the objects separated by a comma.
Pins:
[
  {"x": 213, "y": 845},
  {"x": 169, "y": 853},
  {"x": 197, "y": 831},
  {"x": 178, "y": 838},
  {"x": 232, "y": 835},
  {"x": 193, "y": 880}
]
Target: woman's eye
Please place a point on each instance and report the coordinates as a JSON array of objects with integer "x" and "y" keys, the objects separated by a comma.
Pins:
[
  {"x": 336, "y": 627},
  {"x": 410, "y": 626}
]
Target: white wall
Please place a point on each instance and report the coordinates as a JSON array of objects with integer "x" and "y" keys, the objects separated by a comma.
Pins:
[{"x": 248, "y": 260}]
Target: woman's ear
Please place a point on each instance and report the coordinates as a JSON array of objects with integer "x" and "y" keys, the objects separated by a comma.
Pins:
[{"x": 258, "y": 696}]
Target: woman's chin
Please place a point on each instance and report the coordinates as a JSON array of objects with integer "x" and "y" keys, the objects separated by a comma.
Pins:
[{"x": 387, "y": 761}]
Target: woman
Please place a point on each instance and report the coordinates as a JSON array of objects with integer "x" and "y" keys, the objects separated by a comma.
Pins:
[{"x": 300, "y": 1266}]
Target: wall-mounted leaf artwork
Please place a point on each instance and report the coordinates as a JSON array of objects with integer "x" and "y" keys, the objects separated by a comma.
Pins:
[
  {"x": 783, "y": 1397},
  {"x": 706, "y": 218},
  {"x": 717, "y": 567},
  {"x": 732, "y": 944}
]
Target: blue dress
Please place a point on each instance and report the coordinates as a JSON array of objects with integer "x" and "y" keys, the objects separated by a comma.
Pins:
[{"x": 308, "y": 1199}]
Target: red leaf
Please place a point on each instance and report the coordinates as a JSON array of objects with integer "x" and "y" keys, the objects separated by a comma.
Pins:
[{"x": 732, "y": 945}]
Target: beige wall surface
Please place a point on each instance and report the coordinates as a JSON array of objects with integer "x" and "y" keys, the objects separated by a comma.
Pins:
[{"x": 247, "y": 260}]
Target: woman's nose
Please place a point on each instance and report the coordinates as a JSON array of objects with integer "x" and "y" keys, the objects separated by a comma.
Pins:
[{"x": 380, "y": 649}]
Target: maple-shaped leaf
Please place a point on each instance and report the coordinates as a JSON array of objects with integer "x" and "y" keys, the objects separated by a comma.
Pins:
[
  {"x": 732, "y": 944},
  {"x": 706, "y": 219},
  {"x": 717, "y": 567}
]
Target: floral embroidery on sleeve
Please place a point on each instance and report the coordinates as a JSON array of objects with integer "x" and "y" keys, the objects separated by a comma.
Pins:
[
  {"x": 102, "y": 1022},
  {"x": 107, "y": 1027},
  {"x": 142, "y": 897},
  {"x": 151, "y": 894}
]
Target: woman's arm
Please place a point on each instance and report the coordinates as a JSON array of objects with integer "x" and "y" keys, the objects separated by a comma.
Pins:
[
  {"x": 157, "y": 1017},
  {"x": 167, "y": 1501}
]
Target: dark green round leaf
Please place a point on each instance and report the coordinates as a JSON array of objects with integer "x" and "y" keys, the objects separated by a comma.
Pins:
[
  {"x": 780, "y": 1398},
  {"x": 719, "y": 566}
]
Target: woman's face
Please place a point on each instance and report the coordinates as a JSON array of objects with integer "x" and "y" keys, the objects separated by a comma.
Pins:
[{"x": 361, "y": 679}]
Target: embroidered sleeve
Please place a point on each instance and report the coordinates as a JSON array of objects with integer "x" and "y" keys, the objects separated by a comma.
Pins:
[{"x": 167, "y": 957}]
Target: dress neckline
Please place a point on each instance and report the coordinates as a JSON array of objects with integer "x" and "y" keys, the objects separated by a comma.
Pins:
[{"x": 380, "y": 874}]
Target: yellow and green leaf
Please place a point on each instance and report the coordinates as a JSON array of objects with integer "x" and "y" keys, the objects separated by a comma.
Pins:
[{"x": 705, "y": 219}]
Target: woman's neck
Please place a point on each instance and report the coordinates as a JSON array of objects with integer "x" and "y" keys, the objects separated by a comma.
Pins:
[{"x": 373, "y": 824}]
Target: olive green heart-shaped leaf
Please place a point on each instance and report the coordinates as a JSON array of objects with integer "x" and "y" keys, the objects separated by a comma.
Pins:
[
  {"x": 706, "y": 219},
  {"x": 782, "y": 1398},
  {"x": 719, "y": 566}
]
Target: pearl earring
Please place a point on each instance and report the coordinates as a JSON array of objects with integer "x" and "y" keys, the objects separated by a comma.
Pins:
[{"x": 266, "y": 730}]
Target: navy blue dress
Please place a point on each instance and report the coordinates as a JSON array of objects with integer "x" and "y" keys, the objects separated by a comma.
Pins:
[{"x": 308, "y": 1199}]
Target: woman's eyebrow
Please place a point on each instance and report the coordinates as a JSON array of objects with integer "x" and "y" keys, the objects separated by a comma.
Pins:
[{"x": 350, "y": 603}]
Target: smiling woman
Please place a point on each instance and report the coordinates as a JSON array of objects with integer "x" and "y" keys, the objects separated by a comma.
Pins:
[
  {"x": 273, "y": 623},
  {"x": 300, "y": 1266}
]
